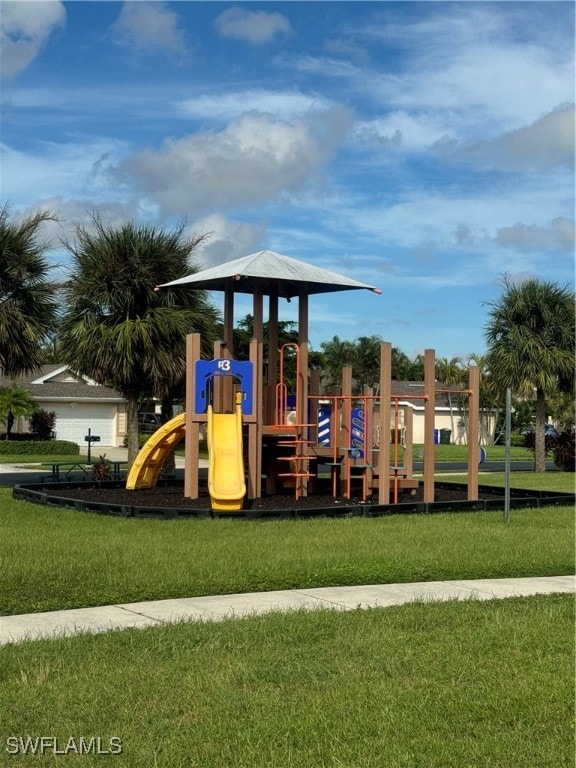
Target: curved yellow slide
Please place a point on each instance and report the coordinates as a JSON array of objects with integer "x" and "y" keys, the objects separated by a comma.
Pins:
[
  {"x": 226, "y": 484},
  {"x": 148, "y": 464}
]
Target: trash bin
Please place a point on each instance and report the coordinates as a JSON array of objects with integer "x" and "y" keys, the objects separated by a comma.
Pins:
[
  {"x": 445, "y": 435},
  {"x": 436, "y": 436}
]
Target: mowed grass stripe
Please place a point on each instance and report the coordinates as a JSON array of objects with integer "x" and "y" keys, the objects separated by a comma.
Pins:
[
  {"x": 56, "y": 558},
  {"x": 436, "y": 685}
]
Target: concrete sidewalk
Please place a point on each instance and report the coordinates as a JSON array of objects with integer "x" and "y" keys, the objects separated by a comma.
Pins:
[{"x": 14, "y": 629}]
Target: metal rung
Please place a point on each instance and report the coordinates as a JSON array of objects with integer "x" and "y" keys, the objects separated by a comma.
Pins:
[{"x": 296, "y": 474}]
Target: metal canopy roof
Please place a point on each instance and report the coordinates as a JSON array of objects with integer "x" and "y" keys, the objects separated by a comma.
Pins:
[{"x": 271, "y": 274}]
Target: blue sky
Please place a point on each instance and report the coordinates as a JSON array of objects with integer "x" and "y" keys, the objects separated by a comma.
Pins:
[{"x": 425, "y": 148}]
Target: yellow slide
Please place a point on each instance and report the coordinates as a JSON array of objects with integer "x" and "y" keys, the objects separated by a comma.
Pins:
[
  {"x": 226, "y": 484},
  {"x": 148, "y": 464}
]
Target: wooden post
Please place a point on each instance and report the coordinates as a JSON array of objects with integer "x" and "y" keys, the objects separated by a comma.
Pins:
[
  {"x": 229, "y": 316},
  {"x": 192, "y": 426},
  {"x": 255, "y": 424},
  {"x": 429, "y": 414},
  {"x": 368, "y": 438},
  {"x": 384, "y": 422},
  {"x": 473, "y": 421},
  {"x": 345, "y": 436},
  {"x": 272, "y": 359}
]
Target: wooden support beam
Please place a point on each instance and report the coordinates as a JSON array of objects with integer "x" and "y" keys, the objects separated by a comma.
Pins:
[
  {"x": 473, "y": 429},
  {"x": 345, "y": 437},
  {"x": 429, "y": 414},
  {"x": 272, "y": 358},
  {"x": 384, "y": 422},
  {"x": 192, "y": 426},
  {"x": 229, "y": 317},
  {"x": 255, "y": 427}
]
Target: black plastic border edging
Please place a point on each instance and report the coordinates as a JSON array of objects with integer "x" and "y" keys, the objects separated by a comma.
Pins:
[{"x": 520, "y": 499}]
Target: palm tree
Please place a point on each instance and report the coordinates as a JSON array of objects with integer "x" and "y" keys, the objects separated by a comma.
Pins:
[
  {"x": 450, "y": 373},
  {"x": 15, "y": 401},
  {"x": 27, "y": 303},
  {"x": 116, "y": 327},
  {"x": 530, "y": 335},
  {"x": 336, "y": 355},
  {"x": 366, "y": 362}
]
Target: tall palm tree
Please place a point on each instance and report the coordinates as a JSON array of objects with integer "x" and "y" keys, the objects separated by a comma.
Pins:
[
  {"x": 336, "y": 355},
  {"x": 116, "y": 327},
  {"x": 530, "y": 336},
  {"x": 366, "y": 362},
  {"x": 27, "y": 303},
  {"x": 450, "y": 373},
  {"x": 15, "y": 401}
]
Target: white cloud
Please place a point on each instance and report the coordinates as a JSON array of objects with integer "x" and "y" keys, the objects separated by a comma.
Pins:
[
  {"x": 228, "y": 239},
  {"x": 229, "y": 105},
  {"x": 253, "y": 160},
  {"x": 151, "y": 25},
  {"x": 557, "y": 236},
  {"x": 546, "y": 142},
  {"x": 24, "y": 28},
  {"x": 254, "y": 26}
]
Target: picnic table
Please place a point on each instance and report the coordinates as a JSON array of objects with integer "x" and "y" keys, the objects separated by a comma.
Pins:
[{"x": 70, "y": 470}]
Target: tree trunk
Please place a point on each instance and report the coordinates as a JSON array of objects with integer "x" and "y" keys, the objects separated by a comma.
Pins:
[
  {"x": 167, "y": 411},
  {"x": 9, "y": 424},
  {"x": 132, "y": 429},
  {"x": 540, "y": 433}
]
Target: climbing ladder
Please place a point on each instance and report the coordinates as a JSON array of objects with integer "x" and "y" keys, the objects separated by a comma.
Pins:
[{"x": 294, "y": 435}]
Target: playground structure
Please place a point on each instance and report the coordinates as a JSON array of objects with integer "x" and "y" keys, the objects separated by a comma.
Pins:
[{"x": 257, "y": 428}]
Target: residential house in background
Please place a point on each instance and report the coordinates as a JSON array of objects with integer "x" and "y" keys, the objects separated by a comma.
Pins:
[{"x": 79, "y": 403}]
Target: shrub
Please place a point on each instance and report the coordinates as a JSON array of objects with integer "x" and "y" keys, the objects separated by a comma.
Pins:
[
  {"x": 42, "y": 424},
  {"x": 517, "y": 441},
  {"x": 101, "y": 469},
  {"x": 530, "y": 442},
  {"x": 39, "y": 447},
  {"x": 565, "y": 452}
]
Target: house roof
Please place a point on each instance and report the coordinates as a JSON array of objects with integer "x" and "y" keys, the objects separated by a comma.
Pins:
[
  {"x": 272, "y": 274},
  {"x": 59, "y": 382},
  {"x": 413, "y": 392}
]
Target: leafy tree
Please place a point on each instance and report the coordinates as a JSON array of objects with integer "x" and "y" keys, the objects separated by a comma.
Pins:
[
  {"x": 116, "y": 327},
  {"x": 450, "y": 373},
  {"x": 15, "y": 401},
  {"x": 530, "y": 336},
  {"x": 42, "y": 424},
  {"x": 244, "y": 332},
  {"x": 27, "y": 304},
  {"x": 366, "y": 361},
  {"x": 336, "y": 354}
]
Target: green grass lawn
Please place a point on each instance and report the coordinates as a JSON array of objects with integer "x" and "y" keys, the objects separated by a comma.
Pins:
[
  {"x": 441, "y": 453},
  {"x": 563, "y": 482},
  {"x": 57, "y": 558},
  {"x": 439, "y": 685},
  {"x": 464, "y": 684}
]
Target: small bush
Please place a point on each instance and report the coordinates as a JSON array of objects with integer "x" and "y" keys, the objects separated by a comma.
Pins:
[
  {"x": 39, "y": 447},
  {"x": 565, "y": 452},
  {"x": 530, "y": 442},
  {"x": 517, "y": 441},
  {"x": 42, "y": 425},
  {"x": 101, "y": 469}
]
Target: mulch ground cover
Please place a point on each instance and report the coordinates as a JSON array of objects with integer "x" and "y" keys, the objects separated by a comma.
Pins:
[{"x": 173, "y": 496}]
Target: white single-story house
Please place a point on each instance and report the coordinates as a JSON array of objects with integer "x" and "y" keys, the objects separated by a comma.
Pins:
[{"x": 79, "y": 403}]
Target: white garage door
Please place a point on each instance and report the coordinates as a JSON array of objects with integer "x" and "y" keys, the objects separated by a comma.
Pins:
[{"x": 73, "y": 423}]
